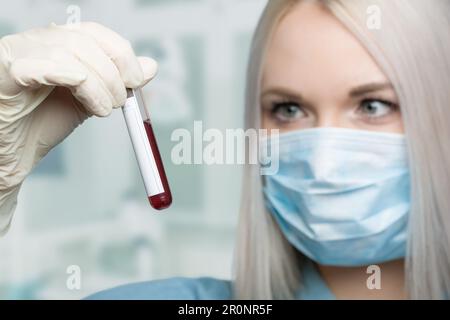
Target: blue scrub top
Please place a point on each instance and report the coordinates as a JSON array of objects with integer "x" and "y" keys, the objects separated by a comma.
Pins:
[{"x": 206, "y": 289}]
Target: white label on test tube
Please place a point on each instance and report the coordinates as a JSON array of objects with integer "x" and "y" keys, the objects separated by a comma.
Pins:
[{"x": 144, "y": 155}]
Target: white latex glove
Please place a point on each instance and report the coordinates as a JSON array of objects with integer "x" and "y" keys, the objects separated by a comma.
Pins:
[{"x": 51, "y": 80}]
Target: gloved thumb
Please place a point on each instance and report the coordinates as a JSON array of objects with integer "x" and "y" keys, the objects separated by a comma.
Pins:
[{"x": 149, "y": 68}]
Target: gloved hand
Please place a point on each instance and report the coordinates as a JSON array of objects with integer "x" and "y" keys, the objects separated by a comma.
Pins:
[{"x": 51, "y": 80}]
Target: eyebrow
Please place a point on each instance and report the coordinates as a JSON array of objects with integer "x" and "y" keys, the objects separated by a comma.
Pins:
[
  {"x": 354, "y": 92},
  {"x": 291, "y": 94},
  {"x": 370, "y": 87}
]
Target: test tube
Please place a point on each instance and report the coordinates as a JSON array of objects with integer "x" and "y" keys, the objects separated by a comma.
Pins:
[{"x": 146, "y": 150}]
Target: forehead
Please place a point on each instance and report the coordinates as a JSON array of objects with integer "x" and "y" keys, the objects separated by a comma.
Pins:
[{"x": 311, "y": 47}]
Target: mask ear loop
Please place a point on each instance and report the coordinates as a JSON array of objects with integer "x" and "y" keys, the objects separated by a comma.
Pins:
[{"x": 268, "y": 164}]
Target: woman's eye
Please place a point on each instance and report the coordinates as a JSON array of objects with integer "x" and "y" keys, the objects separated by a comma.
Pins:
[
  {"x": 376, "y": 108},
  {"x": 287, "y": 111}
]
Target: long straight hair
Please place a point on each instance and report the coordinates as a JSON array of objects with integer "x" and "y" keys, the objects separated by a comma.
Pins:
[{"x": 412, "y": 47}]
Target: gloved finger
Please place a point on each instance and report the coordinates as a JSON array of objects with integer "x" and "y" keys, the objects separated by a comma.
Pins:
[
  {"x": 94, "y": 58},
  {"x": 120, "y": 51},
  {"x": 94, "y": 96},
  {"x": 36, "y": 72},
  {"x": 67, "y": 71},
  {"x": 92, "y": 92}
]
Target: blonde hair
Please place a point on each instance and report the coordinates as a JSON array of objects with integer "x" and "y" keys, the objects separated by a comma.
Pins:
[{"x": 413, "y": 49}]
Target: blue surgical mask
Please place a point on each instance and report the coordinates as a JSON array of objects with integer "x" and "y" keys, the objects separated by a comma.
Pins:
[{"x": 341, "y": 196}]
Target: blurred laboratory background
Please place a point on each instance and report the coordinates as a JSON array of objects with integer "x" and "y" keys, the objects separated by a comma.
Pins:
[{"x": 84, "y": 208}]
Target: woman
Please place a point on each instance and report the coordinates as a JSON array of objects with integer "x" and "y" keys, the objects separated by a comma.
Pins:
[
  {"x": 411, "y": 53},
  {"x": 363, "y": 115}
]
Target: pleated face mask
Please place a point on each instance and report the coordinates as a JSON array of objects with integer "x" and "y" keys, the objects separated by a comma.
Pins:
[{"x": 341, "y": 196}]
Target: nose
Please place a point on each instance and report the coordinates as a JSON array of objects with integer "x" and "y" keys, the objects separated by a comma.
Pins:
[{"x": 329, "y": 117}]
